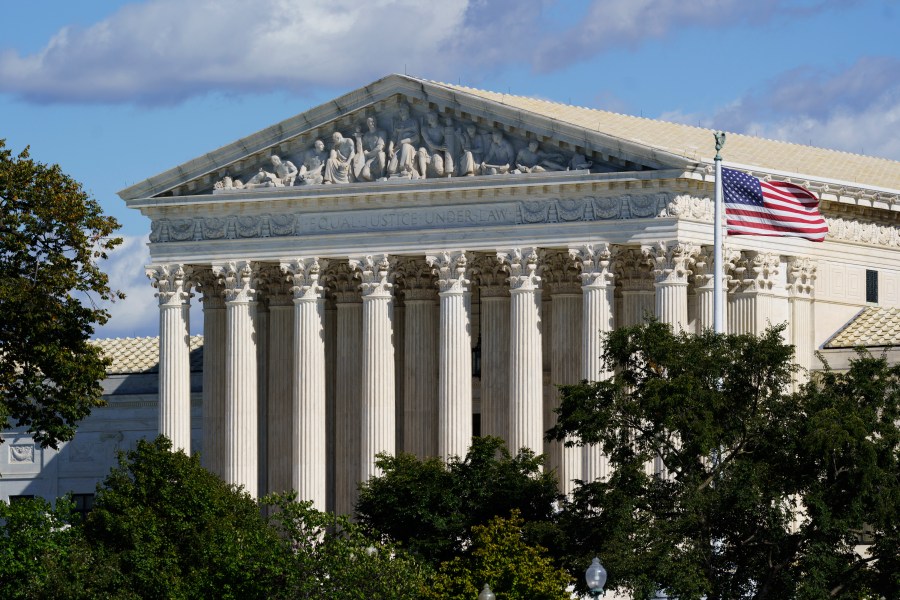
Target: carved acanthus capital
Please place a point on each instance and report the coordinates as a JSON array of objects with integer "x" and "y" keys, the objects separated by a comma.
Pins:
[
  {"x": 239, "y": 279},
  {"x": 633, "y": 269},
  {"x": 451, "y": 268},
  {"x": 342, "y": 282},
  {"x": 595, "y": 261},
  {"x": 752, "y": 271},
  {"x": 273, "y": 286},
  {"x": 304, "y": 274},
  {"x": 670, "y": 261},
  {"x": 374, "y": 272},
  {"x": 172, "y": 282},
  {"x": 490, "y": 275},
  {"x": 416, "y": 279},
  {"x": 801, "y": 276},
  {"x": 560, "y": 273},
  {"x": 522, "y": 265},
  {"x": 703, "y": 268},
  {"x": 211, "y": 287}
]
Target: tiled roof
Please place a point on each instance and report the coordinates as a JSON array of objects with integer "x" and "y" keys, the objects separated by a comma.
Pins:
[
  {"x": 141, "y": 355},
  {"x": 696, "y": 143},
  {"x": 873, "y": 326}
]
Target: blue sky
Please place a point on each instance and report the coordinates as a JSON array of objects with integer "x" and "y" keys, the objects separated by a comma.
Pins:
[{"x": 116, "y": 91}]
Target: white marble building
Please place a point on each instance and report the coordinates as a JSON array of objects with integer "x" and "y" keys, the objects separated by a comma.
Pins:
[{"x": 414, "y": 262}]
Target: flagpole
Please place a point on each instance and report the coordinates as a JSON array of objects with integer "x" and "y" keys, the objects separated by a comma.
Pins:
[{"x": 718, "y": 267}]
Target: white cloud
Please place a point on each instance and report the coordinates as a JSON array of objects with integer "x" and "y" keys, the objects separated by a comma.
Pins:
[{"x": 138, "y": 313}]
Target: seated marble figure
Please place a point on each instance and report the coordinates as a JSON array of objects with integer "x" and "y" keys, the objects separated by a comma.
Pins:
[
  {"x": 284, "y": 174},
  {"x": 532, "y": 160},
  {"x": 371, "y": 159},
  {"x": 500, "y": 156},
  {"x": 404, "y": 158},
  {"x": 338, "y": 167},
  {"x": 313, "y": 164}
]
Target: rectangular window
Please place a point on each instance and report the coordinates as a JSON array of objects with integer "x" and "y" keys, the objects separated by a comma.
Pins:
[
  {"x": 20, "y": 498},
  {"x": 83, "y": 504},
  {"x": 871, "y": 286}
]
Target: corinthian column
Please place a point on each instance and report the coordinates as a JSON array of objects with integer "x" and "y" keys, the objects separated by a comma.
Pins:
[
  {"x": 308, "y": 451},
  {"x": 598, "y": 291},
  {"x": 494, "y": 320},
  {"x": 347, "y": 394},
  {"x": 420, "y": 390},
  {"x": 280, "y": 412},
  {"x": 801, "y": 277},
  {"x": 241, "y": 384},
  {"x": 751, "y": 295},
  {"x": 455, "y": 380},
  {"x": 561, "y": 276},
  {"x": 632, "y": 268},
  {"x": 171, "y": 282},
  {"x": 213, "y": 456},
  {"x": 378, "y": 432},
  {"x": 703, "y": 276},
  {"x": 671, "y": 270},
  {"x": 526, "y": 425}
]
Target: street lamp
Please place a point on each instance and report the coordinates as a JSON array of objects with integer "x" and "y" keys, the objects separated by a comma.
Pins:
[
  {"x": 595, "y": 577},
  {"x": 487, "y": 594}
]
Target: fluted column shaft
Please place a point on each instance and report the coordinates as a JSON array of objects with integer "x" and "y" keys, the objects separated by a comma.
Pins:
[
  {"x": 455, "y": 378},
  {"x": 671, "y": 268},
  {"x": 241, "y": 387},
  {"x": 174, "y": 353},
  {"x": 495, "y": 362},
  {"x": 280, "y": 392},
  {"x": 526, "y": 425},
  {"x": 308, "y": 450},
  {"x": 378, "y": 431},
  {"x": 348, "y": 400},
  {"x": 213, "y": 456},
  {"x": 703, "y": 286},
  {"x": 421, "y": 373},
  {"x": 565, "y": 369}
]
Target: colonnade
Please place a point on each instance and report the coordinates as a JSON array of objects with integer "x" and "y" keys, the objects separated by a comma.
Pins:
[{"x": 369, "y": 354}]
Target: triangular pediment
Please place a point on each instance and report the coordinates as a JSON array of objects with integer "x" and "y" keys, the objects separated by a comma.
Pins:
[{"x": 420, "y": 130}]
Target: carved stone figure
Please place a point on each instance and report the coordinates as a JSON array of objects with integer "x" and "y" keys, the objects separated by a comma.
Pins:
[
  {"x": 500, "y": 155},
  {"x": 284, "y": 174},
  {"x": 227, "y": 183},
  {"x": 370, "y": 159},
  {"x": 337, "y": 167},
  {"x": 471, "y": 149},
  {"x": 533, "y": 160},
  {"x": 313, "y": 163},
  {"x": 580, "y": 162},
  {"x": 402, "y": 152},
  {"x": 438, "y": 154}
]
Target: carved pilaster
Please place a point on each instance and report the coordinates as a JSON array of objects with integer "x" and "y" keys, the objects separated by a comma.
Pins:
[
  {"x": 173, "y": 291},
  {"x": 801, "y": 278},
  {"x": 752, "y": 278},
  {"x": 670, "y": 264},
  {"x": 703, "y": 279},
  {"x": 455, "y": 379},
  {"x": 525, "y": 366}
]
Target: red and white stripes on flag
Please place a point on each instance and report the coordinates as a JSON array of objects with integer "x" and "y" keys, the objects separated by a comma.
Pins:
[{"x": 776, "y": 208}]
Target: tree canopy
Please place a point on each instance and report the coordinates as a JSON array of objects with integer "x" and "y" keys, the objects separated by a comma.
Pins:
[
  {"x": 52, "y": 235},
  {"x": 764, "y": 492}
]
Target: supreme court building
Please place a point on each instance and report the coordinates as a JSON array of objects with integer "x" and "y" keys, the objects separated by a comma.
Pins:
[{"x": 415, "y": 262}]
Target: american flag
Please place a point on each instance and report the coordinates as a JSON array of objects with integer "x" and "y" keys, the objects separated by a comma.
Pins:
[{"x": 754, "y": 207}]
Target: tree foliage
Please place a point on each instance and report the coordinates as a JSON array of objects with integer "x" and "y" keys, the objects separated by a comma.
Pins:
[
  {"x": 764, "y": 492},
  {"x": 500, "y": 558},
  {"x": 52, "y": 234},
  {"x": 429, "y": 506}
]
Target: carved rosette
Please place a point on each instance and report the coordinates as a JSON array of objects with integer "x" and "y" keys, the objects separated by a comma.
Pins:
[
  {"x": 490, "y": 275},
  {"x": 801, "y": 276},
  {"x": 450, "y": 268},
  {"x": 416, "y": 279},
  {"x": 374, "y": 272},
  {"x": 670, "y": 262},
  {"x": 171, "y": 282},
  {"x": 303, "y": 276},
  {"x": 560, "y": 273},
  {"x": 750, "y": 271},
  {"x": 240, "y": 280},
  {"x": 633, "y": 269},
  {"x": 594, "y": 260},
  {"x": 522, "y": 266}
]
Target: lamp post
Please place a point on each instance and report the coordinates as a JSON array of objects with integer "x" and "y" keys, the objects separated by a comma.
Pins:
[
  {"x": 595, "y": 577},
  {"x": 487, "y": 594}
]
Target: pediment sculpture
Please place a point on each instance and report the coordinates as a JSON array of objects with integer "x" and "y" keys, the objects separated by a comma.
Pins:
[{"x": 426, "y": 146}]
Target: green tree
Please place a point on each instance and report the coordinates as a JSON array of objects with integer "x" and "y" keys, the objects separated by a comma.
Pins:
[
  {"x": 764, "y": 492},
  {"x": 52, "y": 234},
  {"x": 172, "y": 529},
  {"x": 334, "y": 559},
  {"x": 429, "y": 507},
  {"x": 501, "y": 558}
]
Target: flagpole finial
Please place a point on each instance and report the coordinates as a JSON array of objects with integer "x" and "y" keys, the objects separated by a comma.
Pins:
[{"x": 720, "y": 143}]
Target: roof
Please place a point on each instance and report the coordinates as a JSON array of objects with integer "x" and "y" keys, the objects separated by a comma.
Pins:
[
  {"x": 873, "y": 326},
  {"x": 141, "y": 354},
  {"x": 696, "y": 143}
]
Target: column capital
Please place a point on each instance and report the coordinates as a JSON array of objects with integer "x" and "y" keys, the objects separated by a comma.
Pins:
[
  {"x": 703, "y": 268},
  {"x": 670, "y": 261},
  {"x": 211, "y": 287},
  {"x": 416, "y": 279},
  {"x": 172, "y": 282},
  {"x": 633, "y": 269},
  {"x": 450, "y": 267},
  {"x": 522, "y": 265},
  {"x": 303, "y": 273},
  {"x": 560, "y": 273},
  {"x": 375, "y": 271},
  {"x": 342, "y": 283},
  {"x": 594, "y": 260},
  {"x": 490, "y": 276},
  {"x": 275, "y": 286},
  {"x": 240, "y": 278},
  {"x": 801, "y": 276},
  {"x": 750, "y": 271}
]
